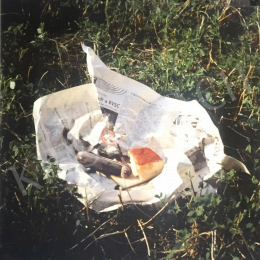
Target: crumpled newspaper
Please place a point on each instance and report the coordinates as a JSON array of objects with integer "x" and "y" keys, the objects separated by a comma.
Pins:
[{"x": 180, "y": 132}]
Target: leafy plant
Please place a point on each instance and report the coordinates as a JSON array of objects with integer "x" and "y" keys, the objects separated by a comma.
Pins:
[{"x": 174, "y": 47}]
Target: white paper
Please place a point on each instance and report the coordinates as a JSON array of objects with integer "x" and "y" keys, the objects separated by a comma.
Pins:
[{"x": 180, "y": 132}]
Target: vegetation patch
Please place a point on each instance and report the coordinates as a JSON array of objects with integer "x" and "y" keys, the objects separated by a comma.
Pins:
[{"x": 204, "y": 50}]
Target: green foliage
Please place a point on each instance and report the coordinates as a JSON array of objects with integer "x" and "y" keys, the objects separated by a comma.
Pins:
[
  {"x": 171, "y": 46},
  {"x": 232, "y": 214}
]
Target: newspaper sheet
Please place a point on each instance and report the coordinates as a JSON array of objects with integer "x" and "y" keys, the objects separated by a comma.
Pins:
[{"x": 180, "y": 132}]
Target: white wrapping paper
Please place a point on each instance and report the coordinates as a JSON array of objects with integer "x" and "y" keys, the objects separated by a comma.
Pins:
[{"x": 180, "y": 132}]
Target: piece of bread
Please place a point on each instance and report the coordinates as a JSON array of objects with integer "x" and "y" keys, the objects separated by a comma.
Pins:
[{"x": 145, "y": 165}]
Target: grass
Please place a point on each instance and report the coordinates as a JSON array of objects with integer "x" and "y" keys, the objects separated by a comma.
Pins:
[{"x": 171, "y": 46}]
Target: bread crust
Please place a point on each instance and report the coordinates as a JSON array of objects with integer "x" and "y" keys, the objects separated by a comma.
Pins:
[{"x": 143, "y": 156}]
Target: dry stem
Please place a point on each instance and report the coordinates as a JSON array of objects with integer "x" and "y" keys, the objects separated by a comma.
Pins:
[
  {"x": 247, "y": 246},
  {"x": 148, "y": 248},
  {"x": 166, "y": 204}
]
